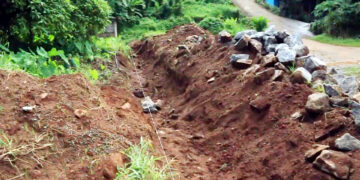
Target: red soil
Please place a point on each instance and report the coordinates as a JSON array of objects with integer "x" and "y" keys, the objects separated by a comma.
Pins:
[
  {"x": 209, "y": 129},
  {"x": 217, "y": 135}
]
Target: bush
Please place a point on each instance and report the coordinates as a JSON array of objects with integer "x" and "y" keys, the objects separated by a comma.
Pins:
[
  {"x": 337, "y": 18},
  {"x": 260, "y": 23},
  {"x": 212, "y": 24},
  {"x": 233, "y": 26},
  {"x": 31, "y": 23}
]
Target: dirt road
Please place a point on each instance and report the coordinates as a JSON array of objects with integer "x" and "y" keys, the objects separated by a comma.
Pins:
[{"x": 334, "y": 55}]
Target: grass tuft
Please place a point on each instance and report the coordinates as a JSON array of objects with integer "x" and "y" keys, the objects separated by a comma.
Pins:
[{"x": 143, "y": 165}]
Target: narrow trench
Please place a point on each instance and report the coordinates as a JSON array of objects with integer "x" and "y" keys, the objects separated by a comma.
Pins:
[{"x": 206, "y": 123}]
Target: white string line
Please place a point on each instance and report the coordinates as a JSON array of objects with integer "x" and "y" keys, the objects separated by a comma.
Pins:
[{"x": 151, "y": 117}]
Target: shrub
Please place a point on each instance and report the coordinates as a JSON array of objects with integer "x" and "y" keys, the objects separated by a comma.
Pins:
[
  {"x": 260, "y": 23},
  {"x": 337, "y": 18},
  {"x": 52, "y": 22},
  {"x": 233, "y": 26},
  {"x": 212, "y": 24}
]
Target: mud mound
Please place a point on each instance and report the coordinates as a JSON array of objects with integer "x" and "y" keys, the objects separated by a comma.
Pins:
[
  {"x": 220, "y": 122},
  {"x": 70, "y": 128}
]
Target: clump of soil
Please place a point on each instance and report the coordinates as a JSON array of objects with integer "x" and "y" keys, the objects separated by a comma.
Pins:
[
  {"x": 207, "y": 123},
  {"x": 74, "y": 129}
]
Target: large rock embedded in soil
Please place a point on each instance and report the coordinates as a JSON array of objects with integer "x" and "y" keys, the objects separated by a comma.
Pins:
[
  {"x": 225, "y": 36},
  {"x": 260, "y": 103},
  {"x": 347, "y": 142},
  {"x": 240, "y": 60},
  {"x": 300, "y": 75},
  {"x": 311, "y": 154},
  {"x": 335, "y": 163},
  {"x": 148, "y": 105},
  {"x": 318, "y": 103}
]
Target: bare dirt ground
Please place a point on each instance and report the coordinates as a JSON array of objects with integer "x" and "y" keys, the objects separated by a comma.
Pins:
[
  {"x": 331, "y": 53},
  {"x": 78, "y": 129},
  {"x": 209, "y": 127}
]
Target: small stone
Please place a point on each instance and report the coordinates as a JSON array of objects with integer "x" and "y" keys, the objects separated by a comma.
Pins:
[
  {"x": 332, "y": 90},
  {"x": 148, "y": 105},
  {"x": 79, "y": 113},
  {"x": 28, "y": 109},
  {"x": 43, "y": 95},
  {"x": 242, "y": 43},
  {"x": 280, "y": 66},
  {"x": 349, "y": 84},
  {"x": 240, "y": 61},
  {"x": 297, "y": 116},
  {"x": 347, "y": 143},
  {"x": 319, "y": 74},
  {"x": 281, "y": 35},
  {"x": 255, "y": 46},
  {"x": 138, "y": 93},
  {"x": 339, "y": 101},
  {"x": 262, "y": 76},
  {"x": 239, "y": 35},
  {"x": 174, "y": 116},
  {"x": 300, "y": 76},
  {"x": 278, "y": 75},
  {"x": 335, "y": 163},
  {"x": 253, "y": 69},
  {"x": 311, "y": 154},
  {"x": 269, "y": 60},
  {"x": 225, "y": 36},
  {"x": 260, "y": 103},
  {"x": 318, "y": 103},
  {"x": 313, "y": 63},
  {"x": 357, "y": 97},
  {"x": 301, "y": 50},
  {"x": 211, "y": 80},
  {"x": 355, "y": 111},
  {"x": 114, "y": 161},
  {"x": 126, "y": 106},
  {"x": 258, "y": 36}
]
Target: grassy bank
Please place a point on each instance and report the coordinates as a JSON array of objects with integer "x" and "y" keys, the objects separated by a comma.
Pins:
[{"x": 351, "y": 42}]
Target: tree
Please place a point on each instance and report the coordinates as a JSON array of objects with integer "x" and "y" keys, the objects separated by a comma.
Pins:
[
  {"x": 31, "y": 23},
  {"x": 337, "y": 18}
]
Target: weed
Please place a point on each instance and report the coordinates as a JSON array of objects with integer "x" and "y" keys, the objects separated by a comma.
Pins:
[
  {"x": 1, "y": 108},
  {"x": 142, "y": 164},
  {"x": 292, "y": 68},
  {"x": 260, "y": 23}
]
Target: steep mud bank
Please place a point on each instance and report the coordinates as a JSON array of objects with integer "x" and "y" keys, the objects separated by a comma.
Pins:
[
  {"x": 207, "y": 124},
  {"x": 75, "y": 130}
]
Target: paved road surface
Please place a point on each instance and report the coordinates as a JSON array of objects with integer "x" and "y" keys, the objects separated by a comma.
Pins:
[{"x": 334, "y": 55}]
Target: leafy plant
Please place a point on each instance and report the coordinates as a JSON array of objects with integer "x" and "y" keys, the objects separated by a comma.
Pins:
[
  {"x": 337, "y": 18},
  {"x": 143, "y": 165},
  {"x": 212, "y": 24},
  {"x": 260, "y": 23}
]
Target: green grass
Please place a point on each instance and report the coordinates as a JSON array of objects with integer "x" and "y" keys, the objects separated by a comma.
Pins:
[
  {"x": 143, "y": 165},
  {"x": 352, "y": 70},
  {"x": 353, "y": 42}
]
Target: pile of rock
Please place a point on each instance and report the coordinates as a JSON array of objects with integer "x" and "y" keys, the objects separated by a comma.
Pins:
[{"x": 280, "y": 53}]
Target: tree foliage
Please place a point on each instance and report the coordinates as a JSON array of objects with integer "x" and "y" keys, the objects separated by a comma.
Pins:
[
  {"x": 31, "y": 23},
  {"x": 337, "y": 18}
]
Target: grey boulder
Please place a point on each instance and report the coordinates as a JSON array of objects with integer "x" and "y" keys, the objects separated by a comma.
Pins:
[
  {"x": 313, "y": 63},
  {"x": 348, "y": 84},
  {"x": 355, "y": 111},
  {"x": 239, "y": 35},
  {"x": 286, "y": 55},
  {"x": 347, "y": 142},
  {"x": 243, "y": 42},
  {"x": 300, "y": 75}
]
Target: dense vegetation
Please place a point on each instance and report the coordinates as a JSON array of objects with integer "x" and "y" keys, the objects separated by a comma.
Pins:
[{"x": 337, "y": 18}]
